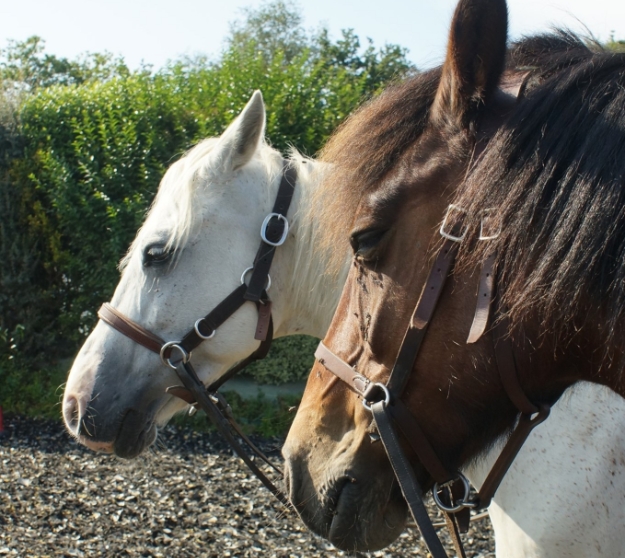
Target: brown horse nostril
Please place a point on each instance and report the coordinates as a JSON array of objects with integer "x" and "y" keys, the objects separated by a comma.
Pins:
[{"x": 71, "y": 414}]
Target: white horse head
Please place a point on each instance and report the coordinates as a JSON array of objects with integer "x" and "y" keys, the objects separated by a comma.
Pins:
[{"x": 201, "y": 233}]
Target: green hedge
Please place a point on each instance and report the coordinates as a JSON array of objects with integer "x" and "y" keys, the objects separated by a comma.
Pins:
[{"x": 86, "y": 161}]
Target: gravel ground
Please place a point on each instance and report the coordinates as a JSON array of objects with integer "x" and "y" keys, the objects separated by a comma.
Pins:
[{"x": 187, "y": 497}]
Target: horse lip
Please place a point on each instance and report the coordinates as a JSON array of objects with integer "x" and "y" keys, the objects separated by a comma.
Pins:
[
  {"x": 136, "y": 433},
  {"x": 333, "y": 502},
  {"x": 340, "y": 529},
  {"x": 104, "y": 447}
]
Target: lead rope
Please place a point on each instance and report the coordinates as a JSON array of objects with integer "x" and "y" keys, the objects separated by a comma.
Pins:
[
  {"x": 210, "y": 405},
  {"x": 407, "y": 481}
]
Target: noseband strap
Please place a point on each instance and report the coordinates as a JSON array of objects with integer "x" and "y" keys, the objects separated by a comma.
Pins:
[{"x": 130, "y": 328}]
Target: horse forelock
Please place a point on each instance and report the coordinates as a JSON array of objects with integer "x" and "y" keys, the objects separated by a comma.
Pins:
[
  {"x": 555, "y": 176},
  {"x": 363, "y": 149}
]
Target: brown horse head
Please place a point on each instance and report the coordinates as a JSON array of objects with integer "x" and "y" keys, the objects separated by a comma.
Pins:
[{"x": 451, "y": 135}]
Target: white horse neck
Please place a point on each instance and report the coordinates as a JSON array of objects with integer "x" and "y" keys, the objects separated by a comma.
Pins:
[{"x": 308, "y": 294}]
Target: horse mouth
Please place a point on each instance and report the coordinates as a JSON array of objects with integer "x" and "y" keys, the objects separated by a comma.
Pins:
[
  {"x": 137, "y": 431},
  {"x": 351, "y": 528}
]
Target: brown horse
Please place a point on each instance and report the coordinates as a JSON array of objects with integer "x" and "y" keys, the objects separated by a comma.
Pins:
[{"x": 546, "y": 163}]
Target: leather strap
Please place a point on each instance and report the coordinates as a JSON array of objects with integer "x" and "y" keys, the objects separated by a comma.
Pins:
[
  {"x": 418, "y": 442},
  {"x": 407, "y": 481},
  {"x": 523, "y": 429},
  {"x": 355, "y": 381},
  {"x": 421, "y": 317},
  {"x": 215, "y": 318},
  {"x": 275, "y": 229},
  {"x": 204, "y": 401},
  {"x": 264, "y": 320},
  {"x": 504, "y": 354},
  {"x": 258, "y": 354},
  {"x": 484, "y": 298},
  {"x": 130, "y": 329}
]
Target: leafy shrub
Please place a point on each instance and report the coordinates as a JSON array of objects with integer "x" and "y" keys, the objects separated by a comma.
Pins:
[
  {"x": 24, "y": 392},
  {"x": 290, "y": 359},
  {"x": 92, "y": 141}
]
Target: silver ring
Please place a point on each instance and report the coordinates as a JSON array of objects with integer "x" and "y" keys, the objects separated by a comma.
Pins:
[
  {"x": 462, "y": 503},
  {"x": 267, "y": 287},
  {"x": 197, "y": 330},
  {"x": 174, "y": 345},
  {"x": 387, "y": 396}
]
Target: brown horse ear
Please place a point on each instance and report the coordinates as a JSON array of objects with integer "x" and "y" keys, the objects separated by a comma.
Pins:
[{"x": 475, "y": 60}]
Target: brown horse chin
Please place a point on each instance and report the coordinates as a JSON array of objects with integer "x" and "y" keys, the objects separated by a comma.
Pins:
[
  {"x": 355, "y": 512},
  {"x": 377, "y": 525}
]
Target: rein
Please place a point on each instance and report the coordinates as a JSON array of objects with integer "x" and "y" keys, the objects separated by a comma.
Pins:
[
  {"x": 390, "y": 413},
  {"x": 177, "y": 354}
]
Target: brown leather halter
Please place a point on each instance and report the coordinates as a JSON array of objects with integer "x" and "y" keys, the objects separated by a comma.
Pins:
[
  {"x": 177, "y": 354},
  {"x": 389, "y": 412}
]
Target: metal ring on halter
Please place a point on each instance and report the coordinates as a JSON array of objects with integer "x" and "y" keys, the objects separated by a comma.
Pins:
[
  {"x": 443, "y": 230},
  {"x": 200, "y": 334},
  {"x": 387, "y": 396},
  {"x": 267, "y": 287},
  {"x": 461, "y": 503},
  {"x": 285, "y": 231},
  {"x": 174, "y": 345}
]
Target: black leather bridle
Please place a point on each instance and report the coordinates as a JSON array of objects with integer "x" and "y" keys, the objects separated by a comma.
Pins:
[{"x": 177, "y": 354}]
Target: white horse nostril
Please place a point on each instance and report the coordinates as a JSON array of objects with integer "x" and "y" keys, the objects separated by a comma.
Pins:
[{"x": 71, "y": 414}]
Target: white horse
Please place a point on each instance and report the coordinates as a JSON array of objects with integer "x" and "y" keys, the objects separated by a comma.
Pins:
[{"x": 563, "y": 496}]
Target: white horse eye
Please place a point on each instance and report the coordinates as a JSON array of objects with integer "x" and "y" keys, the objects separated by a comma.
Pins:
[{"x": 156, "y": 254}]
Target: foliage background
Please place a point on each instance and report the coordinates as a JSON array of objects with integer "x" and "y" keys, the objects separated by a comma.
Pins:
[{"x": 84, "y": 144}]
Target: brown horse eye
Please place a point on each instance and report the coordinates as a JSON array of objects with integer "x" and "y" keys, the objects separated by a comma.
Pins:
[
  {"x": 156, "y": 254},
  {"x": 363, "y": 243}
]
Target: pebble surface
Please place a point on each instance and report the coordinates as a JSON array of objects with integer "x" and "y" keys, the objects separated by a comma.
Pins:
[{"x": 188, "y": 496}]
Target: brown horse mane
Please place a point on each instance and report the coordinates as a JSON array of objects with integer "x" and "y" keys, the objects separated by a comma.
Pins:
[
  {"x": 364, "y": 148},
  {"x": 554, "y": 175}
]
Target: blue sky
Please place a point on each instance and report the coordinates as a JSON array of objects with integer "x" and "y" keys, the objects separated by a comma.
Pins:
[{"x": 157, "y": 30}]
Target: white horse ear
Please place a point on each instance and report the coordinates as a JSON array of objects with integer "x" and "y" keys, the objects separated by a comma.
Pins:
[{"x": 241, "y": 139}]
